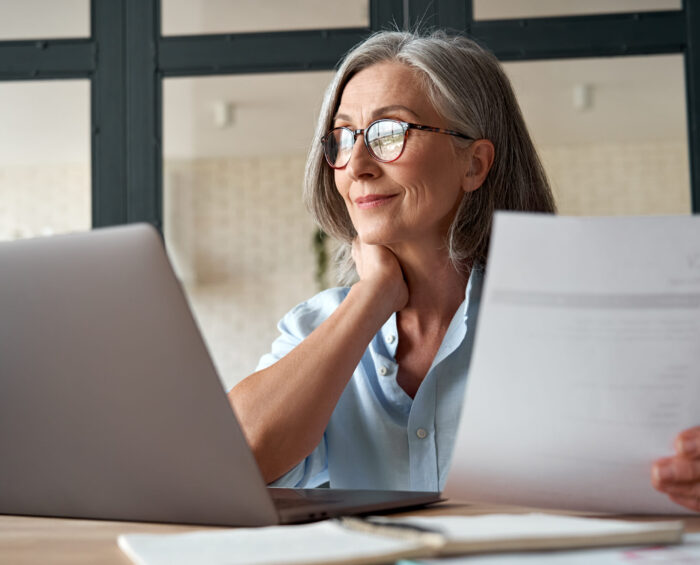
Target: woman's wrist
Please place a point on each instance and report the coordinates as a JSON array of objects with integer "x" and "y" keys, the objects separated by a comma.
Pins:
[{"x": 384, "y": 299}]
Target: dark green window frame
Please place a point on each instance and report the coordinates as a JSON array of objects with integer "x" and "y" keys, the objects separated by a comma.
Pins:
[{"x": 126, "y": 59}]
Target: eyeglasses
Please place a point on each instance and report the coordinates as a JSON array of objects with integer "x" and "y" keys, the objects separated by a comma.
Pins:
[{"x": 385, "y": 140}]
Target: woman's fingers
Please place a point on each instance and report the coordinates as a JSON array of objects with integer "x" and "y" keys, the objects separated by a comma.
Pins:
[
  {"x": 669, "y": 477},
  {"x": 691, "y": 490},
  {"x": 375, "y": 261},
  {"x": 676, "y": 470},
  {"x": 692, "y": 503},
  {"x": 679, "y": 476},
  {"x": 688, "y": 443},
  {"x": 377, "y": 265}
]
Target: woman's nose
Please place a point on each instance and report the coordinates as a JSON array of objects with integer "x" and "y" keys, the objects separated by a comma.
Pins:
[{"x": 361, "y": 164}]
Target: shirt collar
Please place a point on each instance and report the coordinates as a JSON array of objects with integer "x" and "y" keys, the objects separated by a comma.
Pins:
[{"x": 472, "y": 294}]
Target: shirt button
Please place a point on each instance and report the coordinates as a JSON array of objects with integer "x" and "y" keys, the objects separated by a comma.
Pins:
[
  {"x": 390, "y": 338},
  {"x": 421, "y": 433},
  {"x": 383, "y": 370}
]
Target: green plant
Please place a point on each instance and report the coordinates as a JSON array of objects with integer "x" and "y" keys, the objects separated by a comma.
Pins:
[{"x": 321, "y": 253}]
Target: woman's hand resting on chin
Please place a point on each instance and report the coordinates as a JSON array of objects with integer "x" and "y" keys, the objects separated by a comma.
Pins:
[
  {"x": 679, "y": 476},
  {"x": 377, "y": 266}
]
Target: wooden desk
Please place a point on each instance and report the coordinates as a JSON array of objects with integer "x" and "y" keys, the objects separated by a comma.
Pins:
[{"x": 57, "y": 541}]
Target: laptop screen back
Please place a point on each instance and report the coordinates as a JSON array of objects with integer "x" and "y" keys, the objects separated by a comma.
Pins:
[{"x": 110, "y": 406}]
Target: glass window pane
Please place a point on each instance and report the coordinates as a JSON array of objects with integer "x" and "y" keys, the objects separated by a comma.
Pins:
[
  {"x": 44, "y": 158},
  {"x": 504, "y": 9},
  {"x": 231, "y": 16},
  {"x": 611, "y": 132},
  {"x": 31, "y": 19},
  {"x": 235, "y": 226}
]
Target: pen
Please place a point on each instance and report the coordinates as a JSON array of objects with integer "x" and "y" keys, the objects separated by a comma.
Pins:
[{"x": 403, "y": 530}]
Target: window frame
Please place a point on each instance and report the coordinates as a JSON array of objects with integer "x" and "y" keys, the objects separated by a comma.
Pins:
[{"x": 126, "y": 59}]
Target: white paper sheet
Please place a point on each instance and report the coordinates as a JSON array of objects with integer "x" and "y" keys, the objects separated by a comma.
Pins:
[
  {"x": 534, "y": 526},
  {"x": 586, "y": 363}
]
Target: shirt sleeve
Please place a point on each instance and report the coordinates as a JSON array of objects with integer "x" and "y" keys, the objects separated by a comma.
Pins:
[{"x": 293, "y": 328}]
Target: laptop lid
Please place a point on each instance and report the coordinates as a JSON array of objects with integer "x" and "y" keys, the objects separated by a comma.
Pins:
[{"x": 110, "y": 406}]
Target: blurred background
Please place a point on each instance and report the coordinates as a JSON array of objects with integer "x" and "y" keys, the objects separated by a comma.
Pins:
[{"x": 612, "y": 132}]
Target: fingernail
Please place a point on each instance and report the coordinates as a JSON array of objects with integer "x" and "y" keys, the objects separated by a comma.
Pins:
[
  {"x": 689, "y": 446},
  {"x": 664, "y": 472}
]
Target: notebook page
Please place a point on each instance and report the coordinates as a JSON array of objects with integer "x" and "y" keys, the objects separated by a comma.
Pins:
[{"x": 323, "y": 542}]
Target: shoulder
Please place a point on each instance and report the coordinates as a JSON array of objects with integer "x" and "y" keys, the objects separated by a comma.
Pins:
[
  {"x": 307, "y": 316},
  {"x": 300, "y": 321}
]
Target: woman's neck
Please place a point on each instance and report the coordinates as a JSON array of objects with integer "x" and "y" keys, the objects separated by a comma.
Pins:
[{"x": 435, "y": 287}]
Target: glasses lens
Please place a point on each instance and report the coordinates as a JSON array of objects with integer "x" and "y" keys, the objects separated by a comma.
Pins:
[
  {"x": 385, "y": 139},
  {"x": 338, "y": 147}
]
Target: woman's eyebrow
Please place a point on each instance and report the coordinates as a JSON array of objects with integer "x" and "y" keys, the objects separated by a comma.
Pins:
[
  {"x": 388, "y": 109},
  {"x": 343, "y": 117},
  {"x": 378, "y": 112}
]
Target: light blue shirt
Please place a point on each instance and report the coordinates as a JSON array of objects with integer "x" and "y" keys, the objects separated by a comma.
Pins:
[{"x": 378, "y": 437}]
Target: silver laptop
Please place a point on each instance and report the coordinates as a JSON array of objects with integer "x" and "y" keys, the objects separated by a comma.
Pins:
[{"x": 110, "y": 406}]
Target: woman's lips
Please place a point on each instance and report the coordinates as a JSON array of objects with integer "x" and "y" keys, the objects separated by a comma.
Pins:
[{"x": 373, "y": 200}]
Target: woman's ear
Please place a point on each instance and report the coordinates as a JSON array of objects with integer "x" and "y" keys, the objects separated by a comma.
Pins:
[{"x": 480, "y": 156}]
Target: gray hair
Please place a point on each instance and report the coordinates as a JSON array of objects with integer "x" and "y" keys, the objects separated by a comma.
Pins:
[{"x": 467, "y": 86}]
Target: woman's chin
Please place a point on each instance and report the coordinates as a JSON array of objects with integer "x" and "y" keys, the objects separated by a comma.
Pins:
[
  {"x": 377, "y": 235},
  {"x": 374, "y": 239}
]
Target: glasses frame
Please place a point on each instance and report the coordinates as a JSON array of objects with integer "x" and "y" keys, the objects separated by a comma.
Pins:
[{"x": 404, "y": 125}]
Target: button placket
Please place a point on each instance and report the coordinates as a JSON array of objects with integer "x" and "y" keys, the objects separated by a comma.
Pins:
[{"x": 390, "y": 335}]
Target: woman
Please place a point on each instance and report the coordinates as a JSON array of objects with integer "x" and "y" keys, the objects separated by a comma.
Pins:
[{"x": 421, "y": 140}]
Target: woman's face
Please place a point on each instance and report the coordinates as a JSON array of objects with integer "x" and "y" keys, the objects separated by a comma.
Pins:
[{"x": 413, "y": 199}]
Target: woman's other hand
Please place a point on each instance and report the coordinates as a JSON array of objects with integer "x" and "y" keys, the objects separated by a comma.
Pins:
[
  {"x": 679, "y": 476},
  {"x": 378, "y": 266}
]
